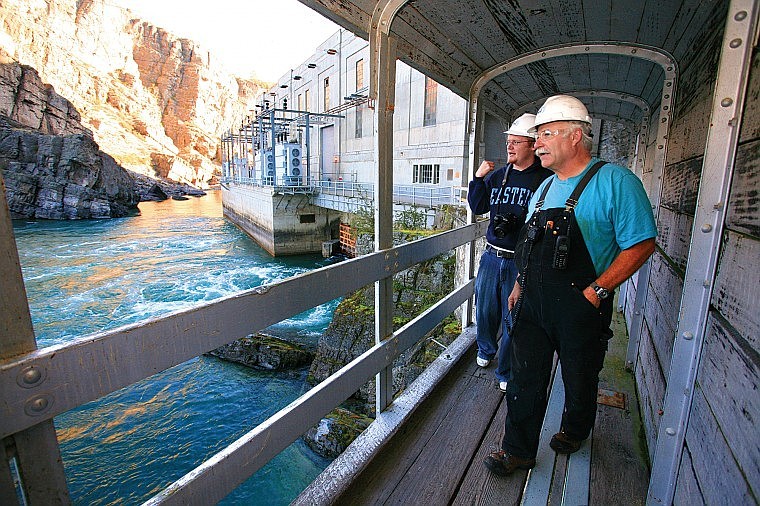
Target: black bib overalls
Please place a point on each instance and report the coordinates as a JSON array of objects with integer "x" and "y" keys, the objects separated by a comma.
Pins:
[{"x": 554, "y": 315}]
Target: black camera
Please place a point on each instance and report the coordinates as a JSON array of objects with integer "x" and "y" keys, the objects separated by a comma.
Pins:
[{"x": 504, "y": 224}]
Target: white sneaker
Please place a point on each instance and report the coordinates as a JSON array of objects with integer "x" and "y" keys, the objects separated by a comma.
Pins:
[
  {"x": 503, "y": 386},
  {"x": 483, "y": 362}
]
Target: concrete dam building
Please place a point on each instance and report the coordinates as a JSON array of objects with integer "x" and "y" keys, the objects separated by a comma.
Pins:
[{"x": 320, "y": 110}]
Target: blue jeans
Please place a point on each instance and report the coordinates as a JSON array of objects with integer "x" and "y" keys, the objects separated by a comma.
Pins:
[{"x": 495, "y": 280}]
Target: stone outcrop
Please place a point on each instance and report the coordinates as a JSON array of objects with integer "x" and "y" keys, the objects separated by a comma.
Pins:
[
  {"x": 61, "y": 176},
  {"x": 351, "y": 331},
  {"x": 158, "y": 189},
  {"x": 263, "y": 351},
  {"x": 332, "y": 435},
  {"x": 28, "y": 101},
  {"x": 155, "y": 102}
]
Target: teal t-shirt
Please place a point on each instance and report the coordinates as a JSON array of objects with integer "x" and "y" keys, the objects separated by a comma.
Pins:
[{"x": 613, "y": 212}]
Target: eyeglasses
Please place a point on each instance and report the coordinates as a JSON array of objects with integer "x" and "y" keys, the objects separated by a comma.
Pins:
[
  {"x": 514, "y": 143},
  {"x": 548, "y": 134}
]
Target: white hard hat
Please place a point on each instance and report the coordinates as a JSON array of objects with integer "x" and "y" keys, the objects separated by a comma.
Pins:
[
  {"x": 561, "y": 108},
  {"x": 522, "y": 125}
]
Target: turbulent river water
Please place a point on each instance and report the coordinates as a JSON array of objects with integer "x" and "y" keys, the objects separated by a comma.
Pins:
[{"x": 88, "y": 276}]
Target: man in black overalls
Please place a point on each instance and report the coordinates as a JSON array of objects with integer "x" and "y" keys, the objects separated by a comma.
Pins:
[{"x": 591, "y": 228}]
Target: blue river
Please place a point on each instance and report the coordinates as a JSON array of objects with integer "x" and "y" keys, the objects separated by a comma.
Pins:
[{"x": 88, "y": 276}]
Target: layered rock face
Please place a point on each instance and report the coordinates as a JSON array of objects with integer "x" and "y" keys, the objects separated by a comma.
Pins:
[
  {"x": 51, "y": 165},
  {"x": 25, "y": 99},
  {"x": 157, "y": 103},
  {"x": 61, "y": 176}
]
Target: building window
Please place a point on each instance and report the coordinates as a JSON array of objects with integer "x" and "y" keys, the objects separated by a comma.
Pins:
[
  {"x": 300, "y": 102},
  {"x": 358, "y": 130},
  {"x": 306, "y": 99},
  {"x": 426, "y": 174},
  {"x": 359, "y": 75},
  {"x": 327, "y": 93},
  {"x": 431, "y": 97},
  {"x": 307, "y": 218}
]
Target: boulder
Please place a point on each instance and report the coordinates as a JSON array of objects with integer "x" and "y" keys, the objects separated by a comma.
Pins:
[
  {"x": 158, "y": 189},
  {"x": 332, "y": 435},
  {"x": 262, "y": 351},
  {"x": 154, "y": 193}
]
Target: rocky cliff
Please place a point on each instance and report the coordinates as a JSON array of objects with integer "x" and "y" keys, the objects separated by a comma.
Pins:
[
  {"x": 51, "y": 165},
  {"x": 155, "y": 102},
  {"x": 28, "y": 101},
  {"x": 61, "y": 176}
]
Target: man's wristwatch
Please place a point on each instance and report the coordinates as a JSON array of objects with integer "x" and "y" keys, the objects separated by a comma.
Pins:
[{"x": 602, "y": 293}]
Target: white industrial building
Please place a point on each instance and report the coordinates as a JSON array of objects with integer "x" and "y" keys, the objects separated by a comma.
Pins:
[{"x": 429, "y": 120}]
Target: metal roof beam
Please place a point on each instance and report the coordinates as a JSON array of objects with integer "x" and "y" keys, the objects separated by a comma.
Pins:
[
  {"x": 606, "y": 94},
  {"x": 639, "y": 51}
]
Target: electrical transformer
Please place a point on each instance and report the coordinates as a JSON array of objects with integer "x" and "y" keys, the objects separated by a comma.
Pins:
[{"x": 288, "y": 163}]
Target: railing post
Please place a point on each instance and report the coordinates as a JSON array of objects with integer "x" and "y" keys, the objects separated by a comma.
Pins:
[
  {"x": 37, "y": 455},
  {"x": 382, "y": 93},
  {"x": 635, "y": 324},
  {"x": 473, "y": 133},
  {"x": 705, "y": 248}
]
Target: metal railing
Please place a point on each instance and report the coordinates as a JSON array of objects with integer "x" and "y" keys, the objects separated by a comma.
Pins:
[
  {"x": 89, "y": 368},
  {"x": 428, "y": 196},
  {"x": 283, "y": 184}
]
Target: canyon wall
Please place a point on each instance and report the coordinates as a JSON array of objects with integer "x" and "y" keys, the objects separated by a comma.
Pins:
[
  {"x": 155, "y": 102},
  {"x": 51, "y": 166}
]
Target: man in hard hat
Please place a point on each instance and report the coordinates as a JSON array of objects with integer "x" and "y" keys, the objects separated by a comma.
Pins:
[
  {"x": 504, "y": 192},
  {"x": 590, "y": 228}
]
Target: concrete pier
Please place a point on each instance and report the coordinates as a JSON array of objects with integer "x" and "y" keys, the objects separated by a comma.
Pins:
[{"x": 281, "y": 223}]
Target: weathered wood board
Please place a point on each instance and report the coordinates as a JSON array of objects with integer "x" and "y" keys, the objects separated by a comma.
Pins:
[
  {"x": 404, "y": 471},
  {"x": 608, "y": 483},
  {"x": 674, "y": 235},
  {"x": 662, "y": 308},
  {"x": 743, "y": 213},
  {"x": 559, "y": 481},
  {"x": 680, "y": 185},
  {"x": 651, "y": 384},
  {"x": 688, "y": 131},
  {"x": 475, "y": 407},
  {"x": 750, "y": 128},
  {"x": 687, "y": 489},
  {"x": 719, "y": 476},
  {"x": 736, "y": 293},
  {"x": 729, "y": 378},
  {"x": 481, "y": 487}
]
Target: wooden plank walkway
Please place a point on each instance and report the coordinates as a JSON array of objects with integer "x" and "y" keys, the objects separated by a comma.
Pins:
[{"x": 436, "y": 457}]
